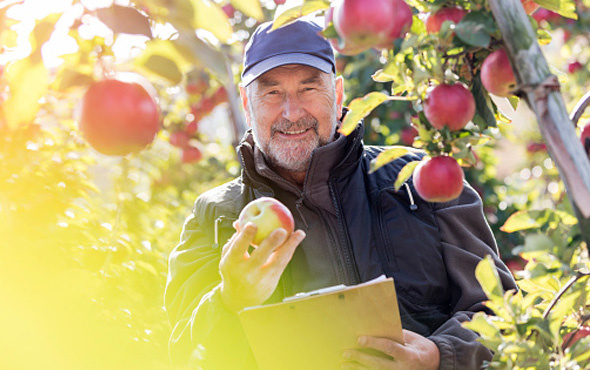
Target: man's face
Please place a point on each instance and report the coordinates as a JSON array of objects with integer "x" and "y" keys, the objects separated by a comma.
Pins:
[{"x": 293, "y": 109}]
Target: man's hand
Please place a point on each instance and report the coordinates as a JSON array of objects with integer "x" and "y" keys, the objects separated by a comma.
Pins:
[
  {"x": 418, "y": 352},
  {"x": 249, "y": 279}
]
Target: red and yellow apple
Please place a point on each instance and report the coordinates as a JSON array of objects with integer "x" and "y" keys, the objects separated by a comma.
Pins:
[
  {"x": 118, "y": 118},
  {"x": 438, "y": 179},
  {"x": 496, "y": 74},
  {"x": 191, "y": 154},
  {"x": 372, "y": 23},
  {"x": 268, "y": 214},
  {"x": 435, "y": 20},
  {"x": 448, "y": 105}
]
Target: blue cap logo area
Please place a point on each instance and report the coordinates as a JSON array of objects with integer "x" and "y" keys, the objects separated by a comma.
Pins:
[{"x": 298, "y": 43}]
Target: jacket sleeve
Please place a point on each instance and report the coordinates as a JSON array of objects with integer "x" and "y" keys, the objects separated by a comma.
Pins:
[
  {"x": 204, "y": 333},
  {"x": 466, "y": 239}
]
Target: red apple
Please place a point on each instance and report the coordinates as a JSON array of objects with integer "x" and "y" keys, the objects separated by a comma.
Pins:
[
  {"x": 496, "y": 74},
  {"x": 572, "y": 337},
  {"x": 516, "y": 264},
  {"x": 372, "y": 23},
  {"x": 435, "y": 20},
  {"x": 529, "y": 6},
  {"x": 191, "y": 154},
  {"x": 229, "y": 10},
  {"x": 407, "y": 135},
  {"x": 268, "y": 214},
  {"x": 534, "y": 147},
  {"x": 180, "y": 139},
  {"x": 438, "y": 179},
  {"x": 547, "y": 15},
  {"x": 118, "y": 118},
  {"x": 585, "y": 138},
  {"x": 342, "y": 46},
  {"x": 452, "y": 106},
  {"x": 191, "y": 128},
  {"x": 574, "y": 67},
  {"x": 280, "y": 2}
]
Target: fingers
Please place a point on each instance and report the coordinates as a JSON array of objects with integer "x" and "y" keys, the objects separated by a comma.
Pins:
[
  {"x": 385, "y": 345},
  {"x": 366, "y": 360},
  {"x": 237, "y": 246},
  {"x": 277, "y": 249}
]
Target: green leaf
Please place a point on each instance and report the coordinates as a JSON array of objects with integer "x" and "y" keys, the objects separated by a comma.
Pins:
[
  {"x": 359, "y": 108},
  {"x": 565, "y": 306},
  {"x": 482, "y": 103},
  {"x": 210, "y": 17},
  {"x": 387, "y": 156},
  {"x": 251, "y": 8},
  {"x": 68, "y": 78},
  {"x": 566, "y": 8},
  {"x": 123, "y": 19},
  {"x": 291, "y": 15},
  {"x": 405, "y": 174},
  {"x": 476, "y": 28},
  {"x": 487, "y": 276},
  {"x": 480, "y": 324},
  {"x": 514, "y": 100},
  {"x": 164, "y": 67},
  {"x": 521, "y": 220}
]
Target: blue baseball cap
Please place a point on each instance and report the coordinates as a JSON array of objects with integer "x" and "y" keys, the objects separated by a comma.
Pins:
[{"x": 297, "y": 43}]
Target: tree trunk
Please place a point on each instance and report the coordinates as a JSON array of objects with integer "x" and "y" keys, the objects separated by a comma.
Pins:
[{"x": 540, "y": 90}]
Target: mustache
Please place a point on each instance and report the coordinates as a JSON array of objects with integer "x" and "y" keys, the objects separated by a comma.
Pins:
[{"x": 283, "y": 125}]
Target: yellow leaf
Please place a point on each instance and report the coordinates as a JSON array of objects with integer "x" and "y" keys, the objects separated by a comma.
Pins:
[
  {"x": 359, "y": 108},
  {"x": 405, "y": 174},
  {"x": 251, "y": 8},
  {"x": 291, "y": 15},
  {"x": 210, "y": 17},
  {"x": 387, "y": 156},
  {"x": 28, "y": 82}
]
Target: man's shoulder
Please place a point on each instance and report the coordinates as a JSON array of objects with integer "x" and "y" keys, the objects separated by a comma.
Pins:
[{"x": 224, "y": 199}]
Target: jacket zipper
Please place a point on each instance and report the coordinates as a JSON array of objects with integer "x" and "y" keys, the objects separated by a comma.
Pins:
[{"x": 351, "y": 266}]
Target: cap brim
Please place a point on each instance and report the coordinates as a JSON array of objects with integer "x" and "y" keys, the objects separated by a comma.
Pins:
[{"x": 280, "y": 60}]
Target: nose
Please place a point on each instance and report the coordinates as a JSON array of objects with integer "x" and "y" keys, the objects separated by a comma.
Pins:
[{"x": 293, "y": 108}]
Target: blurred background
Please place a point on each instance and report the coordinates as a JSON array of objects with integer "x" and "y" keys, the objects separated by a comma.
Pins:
[{"x": 84, "y": 236}]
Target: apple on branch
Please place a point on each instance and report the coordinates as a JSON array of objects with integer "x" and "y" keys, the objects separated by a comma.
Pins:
[
  {"x": 118, "y": 118},
  {"x": 496, "y": 74},
  {"x": 438, "y": 179},
  {"x": 585, "y": 138},
  {"x": 435, "y": 20},
  {"x": 268, "y": 214},
  {"x": 448, "y": 105},
  {"x": 572, "y": 337},
  {"x": 372, "y": 23}
]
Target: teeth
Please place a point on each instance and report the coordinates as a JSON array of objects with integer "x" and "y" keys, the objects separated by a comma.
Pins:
[{"x": 295, "y": 132}]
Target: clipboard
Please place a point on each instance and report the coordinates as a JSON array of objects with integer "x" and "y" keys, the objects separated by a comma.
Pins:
[{"x": 311, "y": 330}]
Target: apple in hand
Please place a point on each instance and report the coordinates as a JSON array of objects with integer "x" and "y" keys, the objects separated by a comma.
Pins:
[
  {"x": 268, "y": 214},
  {"x": 438, "y": 179},
  {"x": 447, "y": 105},
  {"x": 118, "y": 118},
  {"x": 496, "y": 74},
  {"x": 435, "y": 20}
]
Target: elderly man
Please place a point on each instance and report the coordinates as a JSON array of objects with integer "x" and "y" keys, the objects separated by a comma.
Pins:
[{"x": 352, "y": 226}]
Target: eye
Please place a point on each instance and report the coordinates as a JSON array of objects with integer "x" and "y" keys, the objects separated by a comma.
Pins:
[{"x": 273, "y": 92}]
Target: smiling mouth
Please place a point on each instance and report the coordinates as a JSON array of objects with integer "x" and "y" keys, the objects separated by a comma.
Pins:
[{"x": 294, "y": 132}]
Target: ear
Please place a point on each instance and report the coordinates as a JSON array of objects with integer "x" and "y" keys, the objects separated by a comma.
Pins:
[
  {"x": 244, "y": 98},
  {"x": 339, "y": 92}
]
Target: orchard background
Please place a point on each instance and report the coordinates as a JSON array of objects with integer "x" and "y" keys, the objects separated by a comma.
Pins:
[{"x": 85, "y": 236}]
